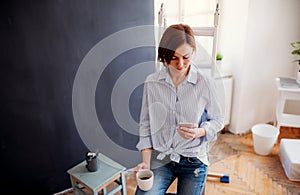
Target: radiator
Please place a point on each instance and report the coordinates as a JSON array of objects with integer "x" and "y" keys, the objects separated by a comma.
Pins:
[{"x": 226, "y": 85}]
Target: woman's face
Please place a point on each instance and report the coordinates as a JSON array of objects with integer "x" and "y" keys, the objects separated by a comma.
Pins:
[{"x": 181, "y": 60}]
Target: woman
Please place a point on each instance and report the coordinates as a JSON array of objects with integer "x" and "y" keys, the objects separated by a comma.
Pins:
[{"x": 178, "y": 94}]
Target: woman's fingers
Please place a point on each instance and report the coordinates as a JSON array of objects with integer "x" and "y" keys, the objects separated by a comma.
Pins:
[
  {"x": 140, "y": 166},
  {"x": 187, "y": 133}
]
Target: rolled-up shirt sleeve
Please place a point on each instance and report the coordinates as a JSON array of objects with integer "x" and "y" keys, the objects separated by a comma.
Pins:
[
  {"x": 145, "y": 133},
  {"x": 215, "y": 115}
]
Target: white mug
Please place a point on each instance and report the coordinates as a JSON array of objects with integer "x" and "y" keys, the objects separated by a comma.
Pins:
[{"x": 144, "y": 179}]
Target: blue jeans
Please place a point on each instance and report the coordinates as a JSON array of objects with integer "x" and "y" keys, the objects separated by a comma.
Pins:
[{"x": 191, "y": 174}]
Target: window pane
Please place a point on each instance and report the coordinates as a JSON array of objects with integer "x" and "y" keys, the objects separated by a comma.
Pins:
[
  {"x": 203, "y": 51},
  {"x": 171, "y": 9},
  {"x": 200, "y": 20},
  {"x": 199, "y": 12}
]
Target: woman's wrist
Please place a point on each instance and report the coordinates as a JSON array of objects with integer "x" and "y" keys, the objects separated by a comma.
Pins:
[
  {"x": 200, "y": 132},
  {"x": 146, "y": 157},
  {"x": 147, "y": 149}
]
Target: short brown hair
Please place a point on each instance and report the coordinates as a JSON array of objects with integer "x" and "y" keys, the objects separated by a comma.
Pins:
[{"x": 173, "y": 37}]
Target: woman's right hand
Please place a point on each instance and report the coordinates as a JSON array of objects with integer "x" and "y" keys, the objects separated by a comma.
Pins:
[
  {"x": 146, "y": 156},
  {"x": 142, "y": 165}
]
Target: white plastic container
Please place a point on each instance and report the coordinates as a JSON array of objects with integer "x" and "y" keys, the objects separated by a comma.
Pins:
[
  {"x": 290, "y": 158},
  {"x": 264, "y": 137}
]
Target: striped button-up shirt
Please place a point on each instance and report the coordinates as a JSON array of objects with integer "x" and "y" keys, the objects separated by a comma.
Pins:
[{"x": 164, "y": 107}]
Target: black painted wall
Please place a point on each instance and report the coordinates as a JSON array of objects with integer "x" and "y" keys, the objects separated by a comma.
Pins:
[{"x": 42, "y": 45}]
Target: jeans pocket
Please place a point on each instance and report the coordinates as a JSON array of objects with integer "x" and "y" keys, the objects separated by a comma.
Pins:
[{"x": 194, "y": 160}]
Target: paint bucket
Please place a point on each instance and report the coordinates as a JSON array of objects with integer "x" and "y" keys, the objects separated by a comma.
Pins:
[{"x": 264, "y": 137}]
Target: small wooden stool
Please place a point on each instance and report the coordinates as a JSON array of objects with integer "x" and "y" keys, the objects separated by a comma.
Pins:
[{"x": 108, "y": 172}]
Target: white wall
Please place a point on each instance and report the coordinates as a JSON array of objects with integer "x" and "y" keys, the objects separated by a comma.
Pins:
[{"x": 255, "y": 38}]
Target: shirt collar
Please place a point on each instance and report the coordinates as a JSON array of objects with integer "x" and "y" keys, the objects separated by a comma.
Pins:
[
  {"x": 191, "y": 77},
  {"x": 164, "y": 75}
]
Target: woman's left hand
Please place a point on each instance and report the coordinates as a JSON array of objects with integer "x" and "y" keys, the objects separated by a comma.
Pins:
[{"x": 190, "y": 133}]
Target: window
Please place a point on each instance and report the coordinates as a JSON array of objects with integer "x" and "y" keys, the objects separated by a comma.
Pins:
[
  {"x": 196, "y": 13},
  {"x": 193, "y": 12}
]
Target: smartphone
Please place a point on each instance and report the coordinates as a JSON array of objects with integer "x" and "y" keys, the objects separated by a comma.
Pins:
[{"x": 188, "y": 125}]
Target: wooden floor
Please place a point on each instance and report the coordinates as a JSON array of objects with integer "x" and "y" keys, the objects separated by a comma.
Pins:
[
  {"x": 255, "y": 174},
  {"x": 249, "y": 173}
]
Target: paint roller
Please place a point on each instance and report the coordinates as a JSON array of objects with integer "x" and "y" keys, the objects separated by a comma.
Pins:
[{"x": 224, "y": 178}]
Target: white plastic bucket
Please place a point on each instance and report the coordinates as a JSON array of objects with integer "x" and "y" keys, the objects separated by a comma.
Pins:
[{"x": 264, "y": 137}]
